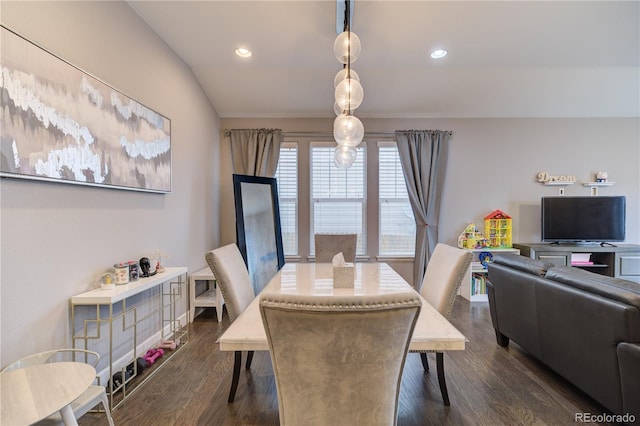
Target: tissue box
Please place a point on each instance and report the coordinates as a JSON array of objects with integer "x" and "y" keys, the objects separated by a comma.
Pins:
[{"x": 343, "y": 276}]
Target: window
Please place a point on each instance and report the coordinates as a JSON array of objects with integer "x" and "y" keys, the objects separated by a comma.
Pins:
[
  {"x": 338, "y": 197},
  {"x": 287, "y": 175},
  {"x": 397, "y": 224}
]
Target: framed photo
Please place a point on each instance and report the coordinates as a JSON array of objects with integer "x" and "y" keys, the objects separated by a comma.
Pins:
[
  {"x": 60, "y": 124},
  {"x": 258, "y": 230}
]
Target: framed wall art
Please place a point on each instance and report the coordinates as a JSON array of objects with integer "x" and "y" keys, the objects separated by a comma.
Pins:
[{"x": 60, "y": 124}]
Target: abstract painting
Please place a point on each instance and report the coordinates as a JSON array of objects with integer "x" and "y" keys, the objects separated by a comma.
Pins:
[{"x": 60, "y": 124}]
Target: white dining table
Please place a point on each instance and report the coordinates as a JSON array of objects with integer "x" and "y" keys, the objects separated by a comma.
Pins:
[
  {"x": 32, "y": 393},
  {"x": 432, "y": 332}
]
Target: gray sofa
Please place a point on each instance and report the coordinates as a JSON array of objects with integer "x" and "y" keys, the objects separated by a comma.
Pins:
[{"x": 583, "y": 325}]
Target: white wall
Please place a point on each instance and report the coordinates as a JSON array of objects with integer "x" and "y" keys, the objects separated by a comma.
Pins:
[
  {"x": 493, "y": 164},
  {"x": 57, "y": 239}
]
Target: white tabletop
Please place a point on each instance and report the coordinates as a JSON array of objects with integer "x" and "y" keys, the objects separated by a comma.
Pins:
[
  {"x": 432, "y": 331},
  {"x": 33, "y": 393}
]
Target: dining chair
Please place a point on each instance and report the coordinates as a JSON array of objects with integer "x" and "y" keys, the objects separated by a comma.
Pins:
[
  {"x": 92, "y": 397},
  {"x": 232, "y": 276},
  {"x": 328, "y": 245},
  {"x": 339, "y": 359},
  {"x": 446, "y": 269}
]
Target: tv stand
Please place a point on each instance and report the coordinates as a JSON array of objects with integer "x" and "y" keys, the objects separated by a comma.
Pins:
[{"x": 621, "y": 261}]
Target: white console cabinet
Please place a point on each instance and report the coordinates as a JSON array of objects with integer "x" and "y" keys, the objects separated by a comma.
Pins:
[{"x": 125, "y": 320}]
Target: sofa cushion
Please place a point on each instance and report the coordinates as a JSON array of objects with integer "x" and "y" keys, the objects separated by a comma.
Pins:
[
  {"x": 612, "y": 288},
  {"x": 524, "y": 264}
]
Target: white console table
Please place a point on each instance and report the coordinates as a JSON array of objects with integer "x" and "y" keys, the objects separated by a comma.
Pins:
[
  {"x": 171, "y": 283},
  {"x": 210, "y": 298}
]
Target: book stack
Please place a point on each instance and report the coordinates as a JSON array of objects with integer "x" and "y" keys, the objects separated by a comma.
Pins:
[{"x": 478, "y": 284}]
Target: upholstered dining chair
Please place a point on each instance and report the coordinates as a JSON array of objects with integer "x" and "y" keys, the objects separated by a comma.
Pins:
[
  {"x": 232, "y": 276},
  {"x": 446, "y": 269},
  {"x": 92, "y": 397},
  {"x": 338, "y": 360},
  {"x": 328, "y": 245}
]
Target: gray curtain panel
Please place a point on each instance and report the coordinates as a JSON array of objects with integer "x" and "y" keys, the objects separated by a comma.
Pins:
[
  {"x": 255, "y": 152},
  {"x": 423, "y": 155}
]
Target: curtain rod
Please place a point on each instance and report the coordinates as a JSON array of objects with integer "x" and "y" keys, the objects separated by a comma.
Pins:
[{"x": 227, "y": 132}]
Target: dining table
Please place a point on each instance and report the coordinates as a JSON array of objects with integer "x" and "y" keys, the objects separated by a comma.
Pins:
[
  {"x": 32, "y": 393},
  {"x": 432, "y": 332}
]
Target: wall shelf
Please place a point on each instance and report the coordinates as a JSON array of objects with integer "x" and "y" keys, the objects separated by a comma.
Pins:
[
  {"x": 595, "y": 184},
  {"x": 559, "y": 183}
]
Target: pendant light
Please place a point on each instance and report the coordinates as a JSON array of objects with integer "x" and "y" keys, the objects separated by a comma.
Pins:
[{"x": 348, "y": 130}]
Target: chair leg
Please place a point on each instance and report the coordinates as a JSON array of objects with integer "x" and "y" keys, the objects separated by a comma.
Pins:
[
  {"x": 107, "y": 411},
  {"x": 249, "y": 359},
  {"x": 237, "y": 363},
  {"x": 441, "y": 379},
  {"x": 425, "y": 361}
]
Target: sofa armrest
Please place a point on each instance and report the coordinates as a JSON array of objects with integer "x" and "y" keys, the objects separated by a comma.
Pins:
[{"x": 629, "y": 363}]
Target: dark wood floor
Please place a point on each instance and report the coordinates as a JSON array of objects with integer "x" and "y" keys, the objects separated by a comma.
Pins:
[{"x": 488, "y": 385}]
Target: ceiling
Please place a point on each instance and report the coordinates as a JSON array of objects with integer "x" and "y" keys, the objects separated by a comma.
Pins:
[{"x": 506, "y": 58}]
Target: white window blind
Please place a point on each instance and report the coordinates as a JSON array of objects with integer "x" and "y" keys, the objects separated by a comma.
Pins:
[
  {"x": 287, "y": 175},
  {"x": 397, "y": 223},
  {"x": 338, "y": 197}
]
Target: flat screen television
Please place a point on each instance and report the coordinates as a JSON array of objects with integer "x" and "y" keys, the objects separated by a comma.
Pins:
[{"x": 583, "y": 219}]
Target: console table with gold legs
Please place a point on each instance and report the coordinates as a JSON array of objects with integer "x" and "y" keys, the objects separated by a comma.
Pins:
[{"x": 110, "y": 307}]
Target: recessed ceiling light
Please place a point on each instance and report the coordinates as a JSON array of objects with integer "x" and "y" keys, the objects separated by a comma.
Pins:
[
  {"x": 438, "y": 53},
  {"x": 242, "y": 52}
]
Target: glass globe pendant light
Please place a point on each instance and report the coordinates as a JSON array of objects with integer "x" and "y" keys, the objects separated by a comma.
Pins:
[
  {"x": 344, "y": 156},
  {"x": 347, "y": 47},
  {"x": 348, "y": 130},
  {"x": 342, "y": 74},
  {"x": 349, "y": 94}
]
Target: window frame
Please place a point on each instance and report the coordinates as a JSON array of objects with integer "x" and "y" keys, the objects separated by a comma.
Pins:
[
  {"x": 363, "y": 200},
  {"x": 389, "y": 255},
  {"x": 295, "y": 200}
]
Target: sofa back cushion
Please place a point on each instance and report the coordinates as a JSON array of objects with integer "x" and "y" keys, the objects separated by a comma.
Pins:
[
  {"x": 521, "y": 263},
  {"x": 612, "y": 288}
]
